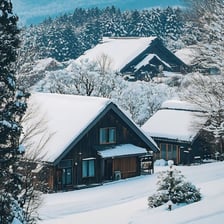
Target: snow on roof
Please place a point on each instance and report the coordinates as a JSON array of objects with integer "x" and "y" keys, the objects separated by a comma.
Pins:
[
  {"x": 145, "y": 61},
  {"x": 187, "y": 55},
  {"x": 64, "y": 116},
  {"x": 178, "y": 104},
  {"x": 172, "y": 74},
  {"x": 177, "y": 121},
  {"x": 121, "y": 150},
  {"x": 119, "y": 50},
  {"x": 148, "y": 58}
]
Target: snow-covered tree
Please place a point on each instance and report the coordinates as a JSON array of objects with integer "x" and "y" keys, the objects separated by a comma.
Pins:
[
  {"x": 173, "y": 189},
  {"x": 207, "y": 92},
  {"x": 142, "y": 99},
  {"x": 30, "y": 73},
  {"x": 205, "y": 30},
  {"x": 31, "y": 167},
  {"x": 89, "y": 78},
  {"x": 68, "y": 36},
  {"x": 12, "y": 108}
]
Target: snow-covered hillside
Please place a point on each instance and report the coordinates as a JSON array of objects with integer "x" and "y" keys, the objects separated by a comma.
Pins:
[{"x": 125, "y": 201}]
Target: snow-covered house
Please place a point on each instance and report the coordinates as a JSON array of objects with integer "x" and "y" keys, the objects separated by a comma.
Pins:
[
  {"x": 86, "y": 140},
  {"x": 139, "y": 57},
  {"x": 176, "y": 128}
]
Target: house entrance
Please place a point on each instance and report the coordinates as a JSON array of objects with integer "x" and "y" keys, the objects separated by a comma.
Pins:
[
  {"x": 66, "y": 176},
  {"x": 108, "y": 175}
]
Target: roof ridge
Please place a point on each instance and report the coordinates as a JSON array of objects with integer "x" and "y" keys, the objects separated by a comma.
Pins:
[{"x": 182, "y": 109}]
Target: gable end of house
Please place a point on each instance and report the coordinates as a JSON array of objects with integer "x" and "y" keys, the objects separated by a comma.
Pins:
[{"x": 111, "y": 106}]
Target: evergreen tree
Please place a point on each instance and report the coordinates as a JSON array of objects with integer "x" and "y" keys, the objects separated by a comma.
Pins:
[
  {"x": 68, "y": 36},
  {"x": 173, "y": 189},
  {"x": 205, "y": 29},
  {"x": 12, "y": 108},
  {"x": 207, "y": 93}
]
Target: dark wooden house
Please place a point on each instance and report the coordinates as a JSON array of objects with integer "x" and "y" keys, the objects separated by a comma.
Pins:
[
  {"x": 154, "y": 59},
  {"x": 92, "y": 141},
  {"x": 176, "y": 128},
  {"x": 138, "y": 58}
]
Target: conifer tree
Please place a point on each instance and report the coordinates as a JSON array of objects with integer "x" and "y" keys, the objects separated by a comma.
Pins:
[
  {"x": 12, "y": 108},
  {"x": 204, "y": 30},
  {"x": 173, "y": 189}
]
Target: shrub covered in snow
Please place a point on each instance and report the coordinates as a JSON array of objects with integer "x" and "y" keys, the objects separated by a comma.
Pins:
[{"x": 173, "y": 187}]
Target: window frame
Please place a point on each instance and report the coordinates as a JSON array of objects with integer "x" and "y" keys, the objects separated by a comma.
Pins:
[
  {"x": 88, "y": 167},
  {"x": 107, "y": 135}
]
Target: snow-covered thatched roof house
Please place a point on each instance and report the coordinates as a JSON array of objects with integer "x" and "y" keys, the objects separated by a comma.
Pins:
[
  {"x": 176, "y": 129},
  {"x": 86, "y": 139},
  {"x": 137, "y": 56}
]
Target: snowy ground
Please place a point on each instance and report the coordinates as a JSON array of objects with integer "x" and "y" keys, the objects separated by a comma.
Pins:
[{"x": 125, "y": 201}]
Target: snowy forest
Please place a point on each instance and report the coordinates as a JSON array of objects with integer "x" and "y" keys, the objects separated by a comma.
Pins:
[
  {"x": 42, "y": 58},
  {"x": 46, "y": 56},
  {"x": 68, "y": 36}
]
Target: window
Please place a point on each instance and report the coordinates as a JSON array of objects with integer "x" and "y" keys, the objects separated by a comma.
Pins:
[
  {"x": 67, "y": 176},
  {"x": 107, "y": 135},
  {"x": 88, "y": 167},
  {"x": 163, "y": 151}
]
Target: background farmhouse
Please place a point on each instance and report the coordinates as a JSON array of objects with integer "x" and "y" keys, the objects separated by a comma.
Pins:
[
  {"x": 138, "y": 58},
  {"x": 177, "y": 129}
]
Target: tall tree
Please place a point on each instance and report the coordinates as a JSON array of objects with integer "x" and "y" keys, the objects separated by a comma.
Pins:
[
  {"x": 205, "y": 26},
  {"x": 12, "y": 108},
  {"x": 205, "y": 29},
  {"x": 207, "y": 92}
]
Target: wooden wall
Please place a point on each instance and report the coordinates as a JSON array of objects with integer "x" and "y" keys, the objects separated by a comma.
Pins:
[
  {"x": 127, "y": 166},
  {"x": 86, "y": 148}
]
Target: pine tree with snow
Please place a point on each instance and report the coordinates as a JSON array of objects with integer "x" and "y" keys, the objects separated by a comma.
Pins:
[
  {"x": 173, "y": 189},
  {"x": 207, "y": 93},
  {"x": 204, "y": 30},
  {"x": 12, "y": 108}
]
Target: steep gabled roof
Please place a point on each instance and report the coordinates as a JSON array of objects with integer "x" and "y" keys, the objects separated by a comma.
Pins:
[
  {"x": 176, "y": 120},
  {"x": 163, "y": 55},
  {"x": 68, "y": 118},
  {"x": 133, "y": 54},
  {"x": 119, "y": 50}
]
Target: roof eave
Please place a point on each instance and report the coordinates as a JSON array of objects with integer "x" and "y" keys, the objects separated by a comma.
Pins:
[
  {"x": 127, "y": 155},
  {"x": 175, "y": 140}
]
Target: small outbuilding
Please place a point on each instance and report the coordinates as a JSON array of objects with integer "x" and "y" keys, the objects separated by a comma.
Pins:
[{"x": 177, "y": 129}]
